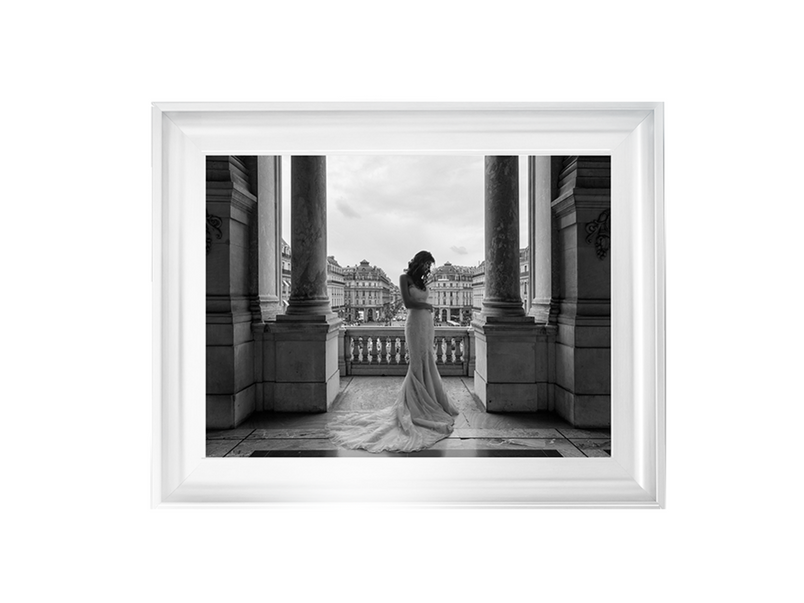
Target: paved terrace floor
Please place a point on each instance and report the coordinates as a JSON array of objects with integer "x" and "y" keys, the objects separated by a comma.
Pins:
[{"x": 476, "y": 433}]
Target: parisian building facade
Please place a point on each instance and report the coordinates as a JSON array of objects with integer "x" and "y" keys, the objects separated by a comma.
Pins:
[
  {"x": 478, "y": 288},
  {"x": 369, "y": 294},
  {"x": 451, "y": 294},
  {"x": 336, "y": 285}
]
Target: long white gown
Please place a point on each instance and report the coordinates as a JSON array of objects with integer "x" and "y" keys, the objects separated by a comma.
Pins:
[{"x": 422, "y": 413}]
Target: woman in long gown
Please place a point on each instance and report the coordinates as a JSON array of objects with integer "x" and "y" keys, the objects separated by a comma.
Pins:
[{"x": 422, "y": 414}]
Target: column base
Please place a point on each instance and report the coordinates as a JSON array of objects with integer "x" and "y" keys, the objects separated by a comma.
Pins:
[
  {"x": 512, "y": 364},
  {"x": 314, "y": 307},
  {"x": 307, "y": 375},
  {"x": 502, "y": 309}
]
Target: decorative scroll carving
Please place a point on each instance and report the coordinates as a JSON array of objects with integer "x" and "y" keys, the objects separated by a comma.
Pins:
[
  {"x": 214, "y": 224},
  {"x": 600, "y": 231}
]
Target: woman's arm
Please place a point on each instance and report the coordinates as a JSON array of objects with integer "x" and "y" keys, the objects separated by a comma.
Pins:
[{"x": 410, "y": 303}]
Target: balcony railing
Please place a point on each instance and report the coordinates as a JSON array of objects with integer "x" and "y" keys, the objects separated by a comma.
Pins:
[{"x": 383, "y": 351}]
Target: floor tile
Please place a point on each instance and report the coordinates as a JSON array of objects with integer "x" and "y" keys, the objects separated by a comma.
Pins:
[
  {"x": 573, "y": 433},
  {"x": 286, "y": 433},
  {"x": 229, "y": 434},
  {"x": 368, "y": 393},
  {"x": 533, "y": 420},
  {"x": 593, "y": 447},
  {"x": 287, "y": 420},
  {"x": 513, "y": 432},
  {"x": 562, "y": 445},
  {"x": 246, "y": 447},
  {"x": 220, "y": 447}
]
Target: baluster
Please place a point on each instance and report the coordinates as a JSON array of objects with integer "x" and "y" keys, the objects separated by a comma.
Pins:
[
  {"x": 384, "y": 350},
  {"x": 404, "y": 353},
  {"x": 448, "y": 350},
  {"x": 392, "y": 344},
  {"x": 439, "y": 358},
  {"x": 375, "y": 349},
  {"x": 459, "y": 350},
  {"x": 358, "y": 343}
]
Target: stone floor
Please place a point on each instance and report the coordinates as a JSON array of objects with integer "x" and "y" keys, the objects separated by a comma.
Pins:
[{"x": 477, "y": 433}]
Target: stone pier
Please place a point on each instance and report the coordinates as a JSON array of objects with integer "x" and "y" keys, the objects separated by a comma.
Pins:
[
  {"x": 231, "y": 205},
  {"x": 583, "y": 348}
]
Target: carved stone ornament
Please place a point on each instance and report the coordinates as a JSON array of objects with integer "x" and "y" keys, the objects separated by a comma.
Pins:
[
  {"x": 213, "y": 227},
  {"x": 600, "y": 231}
]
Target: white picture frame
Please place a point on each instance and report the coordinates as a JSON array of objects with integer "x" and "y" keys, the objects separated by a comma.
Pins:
[{"x": 632, "y": 133}]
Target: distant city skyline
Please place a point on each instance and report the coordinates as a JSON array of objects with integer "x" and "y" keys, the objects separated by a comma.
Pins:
[{"x": 386, "y": 208}]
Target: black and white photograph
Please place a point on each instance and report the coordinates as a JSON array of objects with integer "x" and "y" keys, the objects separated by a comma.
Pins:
[{"x": 408, "y": 305}]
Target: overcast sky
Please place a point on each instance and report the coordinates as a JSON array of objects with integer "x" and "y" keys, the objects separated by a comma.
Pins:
[{"x": 385, "y": 209}]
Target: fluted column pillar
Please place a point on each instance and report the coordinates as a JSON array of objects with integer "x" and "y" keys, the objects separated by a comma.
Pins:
[
  {"x": 540, "y": 238},
  {"x": 308, "y": 237},
  {"x": 502, "y": 298},
  {"x": 267, "y": 240}
]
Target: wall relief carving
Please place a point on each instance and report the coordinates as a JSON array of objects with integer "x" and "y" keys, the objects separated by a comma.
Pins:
[
  {"x": 214, "y": 224},
  {"x": 599, "y": 231}
]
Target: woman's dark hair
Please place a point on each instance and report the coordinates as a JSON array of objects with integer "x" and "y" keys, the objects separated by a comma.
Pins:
[{"x": 419, "y": 268}]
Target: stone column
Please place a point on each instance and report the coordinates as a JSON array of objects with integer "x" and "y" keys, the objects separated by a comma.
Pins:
[
  {"x": 305, "y": 363},
  {"x": 511, "y": 351},
  {"x": 308, "y": 237},
  {"x": 540, "y": 239},
  {"x": 502, "y": 298}
]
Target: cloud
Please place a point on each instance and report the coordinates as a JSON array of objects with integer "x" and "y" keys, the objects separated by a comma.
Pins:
[
  {"x": 346, "y": 209},
  {"x": 459, "y": 250}
]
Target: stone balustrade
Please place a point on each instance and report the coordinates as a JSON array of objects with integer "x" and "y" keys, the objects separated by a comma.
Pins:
[{"x": 382, "y": 351}]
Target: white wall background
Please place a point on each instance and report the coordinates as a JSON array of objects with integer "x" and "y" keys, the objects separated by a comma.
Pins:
[{"x": 79, "y": 78}]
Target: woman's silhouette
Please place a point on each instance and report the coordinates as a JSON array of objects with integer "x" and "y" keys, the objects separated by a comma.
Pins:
[{"x": 422, "y": 413}]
